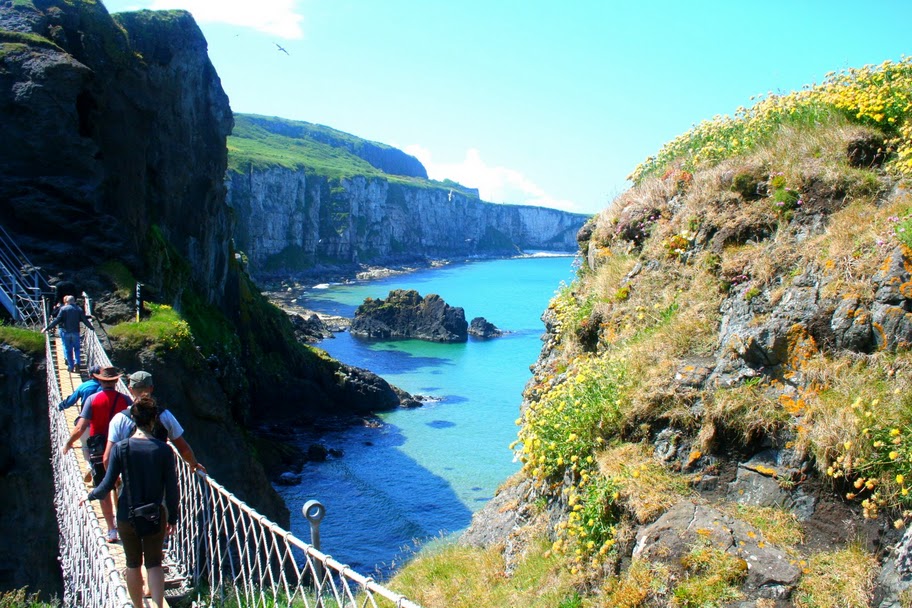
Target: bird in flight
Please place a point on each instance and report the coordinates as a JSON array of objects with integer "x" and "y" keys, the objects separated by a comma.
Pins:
[{"x": 281, "y": 48}]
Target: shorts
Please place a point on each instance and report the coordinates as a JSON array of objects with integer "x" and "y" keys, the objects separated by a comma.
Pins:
[{"x": 138, "y": 551}]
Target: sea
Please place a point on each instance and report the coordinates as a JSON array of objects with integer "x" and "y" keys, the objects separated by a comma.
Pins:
[{"x": 416, "y": 476}]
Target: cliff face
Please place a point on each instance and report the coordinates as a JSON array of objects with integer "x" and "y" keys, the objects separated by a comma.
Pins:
[
  {"x": 113, "y": 150},
  {"x": 288, "y": 220},
  {"x": 111, "y": 128},
  {"x": 28, "y": 525}
]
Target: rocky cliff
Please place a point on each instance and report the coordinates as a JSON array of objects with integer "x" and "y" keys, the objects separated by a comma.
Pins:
[
  {"x": 112, "y": 170},
  {"x": 720, "y": 415},
  {"x": 306, "y": 214},
  {"x": 28, "y": 525}
]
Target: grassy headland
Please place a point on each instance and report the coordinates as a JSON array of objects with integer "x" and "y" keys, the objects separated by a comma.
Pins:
[
  {"x": 260, "y": 142},
  {"x": 810, "y": 186}
]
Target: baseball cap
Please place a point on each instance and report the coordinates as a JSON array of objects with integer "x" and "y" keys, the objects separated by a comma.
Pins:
[{"x": 140, "y": 379}]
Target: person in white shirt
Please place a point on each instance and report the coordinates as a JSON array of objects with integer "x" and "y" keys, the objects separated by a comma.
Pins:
[{"x": 122, "y": 426}]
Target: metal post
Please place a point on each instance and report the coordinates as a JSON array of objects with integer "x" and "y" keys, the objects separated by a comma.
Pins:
[
  {"x": 13, "y": 284},
  {"x": 314, "y": 511},
  {"x": 138, "y": 301}
]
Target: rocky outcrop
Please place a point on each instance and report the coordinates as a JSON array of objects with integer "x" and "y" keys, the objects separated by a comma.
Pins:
[
  {"x": 309, "y": 329},
  {"x": 482, "y": 328},
  {"x": 114, "y": 131},
  {"x": 767, "y": 571},
  {"x": 405, "y": 314}
]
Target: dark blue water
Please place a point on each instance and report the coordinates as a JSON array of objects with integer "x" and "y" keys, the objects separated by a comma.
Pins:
[{"x": 426, "y": 470}]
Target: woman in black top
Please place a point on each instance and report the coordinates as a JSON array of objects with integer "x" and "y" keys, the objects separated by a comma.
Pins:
[{"x": 152, "y": 478}]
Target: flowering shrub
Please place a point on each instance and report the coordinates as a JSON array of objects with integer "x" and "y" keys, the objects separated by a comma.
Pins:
[
  {"x": 558, "y": 438},
  {"x": 878, "y": 466},
  {"x": 677, "y": 244},
  {"x": 902, "y": 229},
  {"x": 560, "y": 431},
  {"x": 877, "y": 96},
  {"x": 590, "y": 526},
  {"x": 783, "y": 198}
]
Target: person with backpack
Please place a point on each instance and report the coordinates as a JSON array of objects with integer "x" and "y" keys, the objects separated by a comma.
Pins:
[
  {"x": 98, "y": 410},
  {"x": 167, "y": 427},
  {"x": 149, "y": 478}
]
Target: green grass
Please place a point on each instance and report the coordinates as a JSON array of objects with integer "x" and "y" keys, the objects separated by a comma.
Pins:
[
  {"x": 842, "y": 577},
  {"x": 164, "y": 328},
  {"x": 260, "y": 142},
  {"x": 211, "y": 330},
  {"x": 712, "y": 578},
  {"x": 464, "y": 577},
  {"x": 26, "y": 340},
  {"x": 253, "y": 144}
]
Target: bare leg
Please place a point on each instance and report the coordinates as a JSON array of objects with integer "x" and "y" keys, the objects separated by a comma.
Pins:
[
  {"x": 134, "y": 586},
  {"x": 107, "y": 509},
  {"x": 156, "y": 585}
]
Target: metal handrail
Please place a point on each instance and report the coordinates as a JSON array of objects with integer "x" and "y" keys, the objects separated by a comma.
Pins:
[{"x": 21, "y": 297}]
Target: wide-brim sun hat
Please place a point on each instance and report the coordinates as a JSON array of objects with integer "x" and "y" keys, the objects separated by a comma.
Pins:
[{"x": 107, "y": 374}]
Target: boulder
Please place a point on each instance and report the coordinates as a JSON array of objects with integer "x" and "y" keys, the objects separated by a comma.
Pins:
[
  {"x": 770, "y": 572},
  {"x": 482, "y": 328}
]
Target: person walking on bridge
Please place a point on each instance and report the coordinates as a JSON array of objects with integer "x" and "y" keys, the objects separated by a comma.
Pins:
[
  {"x": 97, "y": 412},
  {"x": 122, "y": 426},
  {"x": 147, "y": 466},
  {"x": 83, "y": 392},
  {"x": 69, "y": 318}
]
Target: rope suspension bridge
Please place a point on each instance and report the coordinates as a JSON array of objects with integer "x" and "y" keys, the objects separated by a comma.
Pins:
[{"x": 221, "y": 545}]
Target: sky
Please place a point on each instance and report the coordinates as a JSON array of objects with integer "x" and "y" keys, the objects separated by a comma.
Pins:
[{"x": 550, "y": 103}]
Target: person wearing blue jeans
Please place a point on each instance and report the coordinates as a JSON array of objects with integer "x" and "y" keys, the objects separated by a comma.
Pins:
[{"x": 69, "y": 318}]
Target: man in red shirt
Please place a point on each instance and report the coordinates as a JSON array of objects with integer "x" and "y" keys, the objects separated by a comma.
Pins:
[{"x": 96, "y": 415}]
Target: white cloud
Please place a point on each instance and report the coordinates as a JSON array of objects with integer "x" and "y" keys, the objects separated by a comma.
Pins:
[
  {"x": 276, "y": 17},
  {"x": 495, "y": 184}
]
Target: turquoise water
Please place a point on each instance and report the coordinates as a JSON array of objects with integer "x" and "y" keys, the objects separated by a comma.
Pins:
[{"x": 424, "y": 472}]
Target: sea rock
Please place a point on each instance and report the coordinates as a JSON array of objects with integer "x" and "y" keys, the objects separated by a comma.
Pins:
[
  {"x": 406, "y": 314},
  {"x": 310, "y": 329},
  {"x": 288, "y": 479},
  {"x": 482, "y": 328}
]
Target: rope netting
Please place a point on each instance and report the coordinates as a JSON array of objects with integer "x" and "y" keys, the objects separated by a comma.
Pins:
[{"x": 232, "y": 555}]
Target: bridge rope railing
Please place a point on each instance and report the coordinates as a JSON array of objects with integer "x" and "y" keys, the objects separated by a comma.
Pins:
[
  {"x": 220, "y": 543},
  {"x": 90, "y": 573}
]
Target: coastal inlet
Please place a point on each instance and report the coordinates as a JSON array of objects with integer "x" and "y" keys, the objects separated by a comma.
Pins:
[{"x": 422, "y": 472}]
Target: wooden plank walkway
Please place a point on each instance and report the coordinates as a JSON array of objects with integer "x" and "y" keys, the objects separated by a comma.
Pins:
[{"x": 68, "y": 383}]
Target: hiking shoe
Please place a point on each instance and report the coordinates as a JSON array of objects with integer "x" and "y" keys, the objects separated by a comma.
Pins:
[{"x": 112, "y": 535}]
